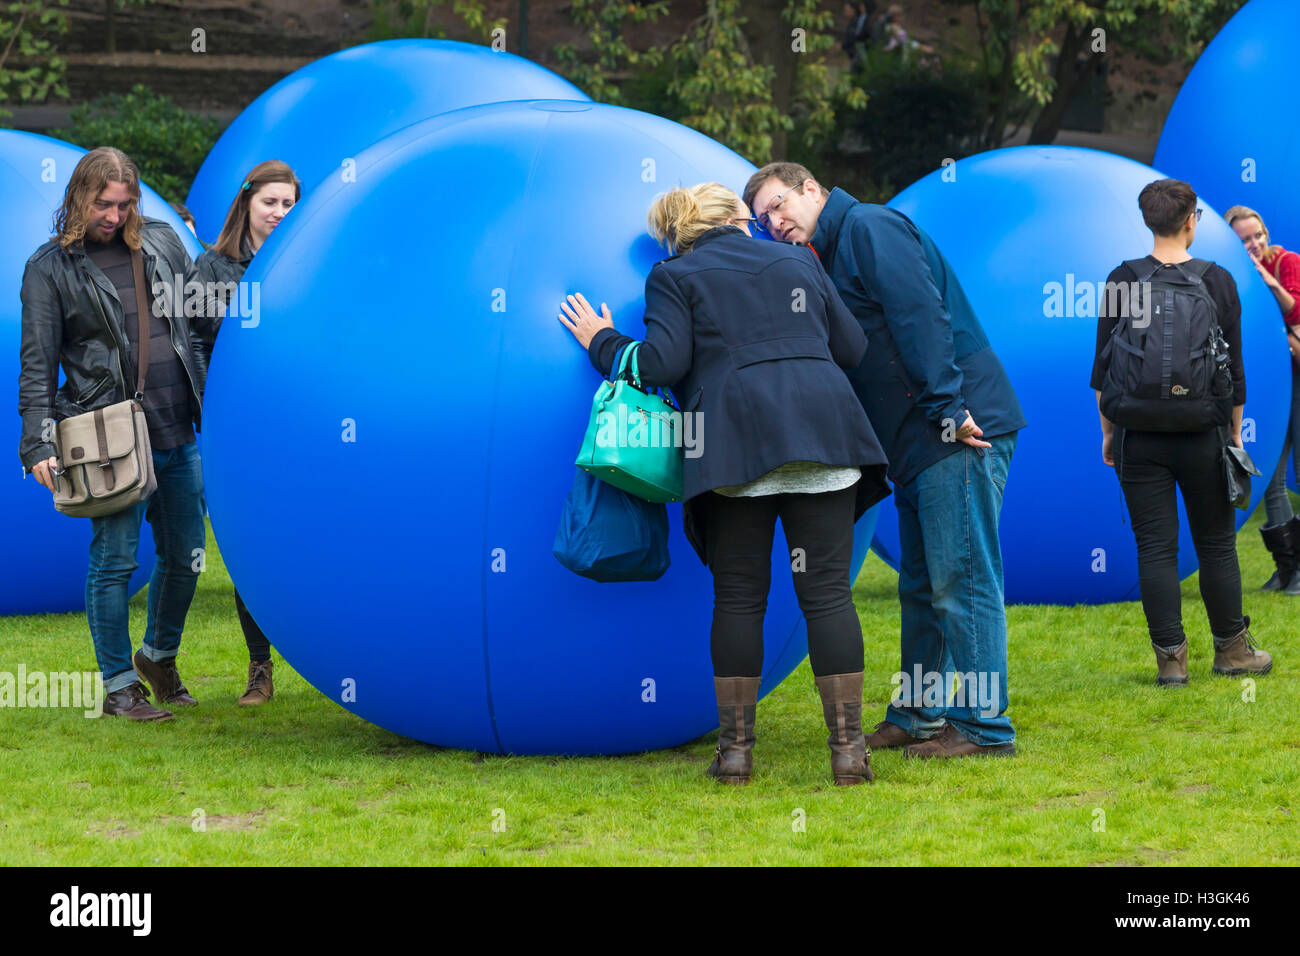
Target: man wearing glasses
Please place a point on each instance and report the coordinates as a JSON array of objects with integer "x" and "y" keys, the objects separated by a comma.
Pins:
[{"x": 945, "y": 412}]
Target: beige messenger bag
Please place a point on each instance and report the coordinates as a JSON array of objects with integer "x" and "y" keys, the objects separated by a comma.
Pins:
[{"x": 105, "y": 462}]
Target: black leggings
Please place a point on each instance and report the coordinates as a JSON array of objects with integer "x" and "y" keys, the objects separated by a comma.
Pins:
[
  {"x": 819, "y": 532},
  {"x": 259, "y": 648},
  {"x": 1152, "y": 464}
]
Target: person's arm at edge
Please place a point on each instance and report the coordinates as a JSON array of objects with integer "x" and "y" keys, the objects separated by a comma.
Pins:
[
  {"x": 893, "y": 264},
  {"x": 848, "y": 343},
  {"x": 667, "y": 352},
  {"x": 39, "y": 349}
]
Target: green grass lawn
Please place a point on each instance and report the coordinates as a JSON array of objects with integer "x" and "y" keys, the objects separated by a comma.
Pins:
[{"x": 1111, "y": 770}]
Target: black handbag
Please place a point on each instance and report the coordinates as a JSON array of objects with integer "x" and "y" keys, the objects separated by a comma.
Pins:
[{"x": 1237, "y": 468}]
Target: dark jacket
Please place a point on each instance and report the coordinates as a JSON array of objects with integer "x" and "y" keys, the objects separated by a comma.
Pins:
[
  {"x": 73, "y": 317},
  {"x": 221, "y": 269},
  {"x": 748, "y": 334},
  {"x": 930, "y": 361}
]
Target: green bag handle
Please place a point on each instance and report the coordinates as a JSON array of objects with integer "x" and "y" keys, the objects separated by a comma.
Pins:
[
  {"x": 629, "y": 351},
  {"x": 630, "y": 354}
]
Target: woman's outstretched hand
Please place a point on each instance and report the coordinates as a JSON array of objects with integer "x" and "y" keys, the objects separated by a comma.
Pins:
[{"x": 581, "y": 319}]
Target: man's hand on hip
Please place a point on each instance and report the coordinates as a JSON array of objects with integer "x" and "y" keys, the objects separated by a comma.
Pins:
[{"x": 970, "y": 433}]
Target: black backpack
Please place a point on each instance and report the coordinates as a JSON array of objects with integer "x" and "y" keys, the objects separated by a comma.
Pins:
[{"x": 1168, "y": 367}]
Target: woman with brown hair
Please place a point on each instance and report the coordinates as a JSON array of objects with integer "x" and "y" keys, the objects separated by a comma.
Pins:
[
  {"x": 752, "y": 337},
  {"x": 1280, "y": 270},
  {"x": 265, "y": 197}
]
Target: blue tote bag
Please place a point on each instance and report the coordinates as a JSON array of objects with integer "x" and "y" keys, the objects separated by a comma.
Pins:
[{"x": 609, "y": 535}]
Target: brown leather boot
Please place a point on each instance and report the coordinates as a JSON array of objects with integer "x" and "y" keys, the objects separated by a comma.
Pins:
[
  {"x": 260, "y": 688},
  {"x": 887, "y": 736},
  {"x": 130, "y": 702},
  {"x": 733, "y": 761},
  {"x": 164, "y": 678},
  {"x": 1171, "y": 665},
  {"x": 951, "y": 742},
  {"x": 842, "y": 708},
  {"x": 1238, "y": 655}
]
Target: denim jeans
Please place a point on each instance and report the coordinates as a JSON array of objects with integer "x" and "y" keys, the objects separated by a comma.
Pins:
[
  {"x": 175, "y": 513},
  {"x": 1277, "y": 506},
  {"x": 951, "y": 595}
]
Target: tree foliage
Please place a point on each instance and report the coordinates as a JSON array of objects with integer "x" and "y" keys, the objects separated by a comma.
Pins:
[
  {"x": 27, "y": 31},
  {"x": 415, "y": 18},
  {"x": 1035, "y": 53},
  {"x": 167, "y": 143}
]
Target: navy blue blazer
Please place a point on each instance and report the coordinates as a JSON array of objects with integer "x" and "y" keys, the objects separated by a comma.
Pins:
[
  {"x": 930, "y": 361},
  {"x": 751, "y": 337}
]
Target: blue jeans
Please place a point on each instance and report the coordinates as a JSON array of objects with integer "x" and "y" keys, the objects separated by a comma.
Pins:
[
  {"x": 951, "y": 594},
  {"x": 175, "y": 513}
]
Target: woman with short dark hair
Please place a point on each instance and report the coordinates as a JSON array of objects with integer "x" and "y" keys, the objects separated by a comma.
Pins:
[{"x": 1180, "y": 447}]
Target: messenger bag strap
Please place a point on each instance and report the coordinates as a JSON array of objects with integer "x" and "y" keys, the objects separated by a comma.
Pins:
[
  {"x": 101, "y": 439},
  {"x": 142, "y": 315}
]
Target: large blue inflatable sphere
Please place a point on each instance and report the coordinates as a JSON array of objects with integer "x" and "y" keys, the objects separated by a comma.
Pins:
[
  {"x": 319, "y": 118},
  {"x": 1030, "y": 233},
  {"x": 1229, "y": 132},
  {"x": 408, "y": 370},
  {"x": 43, "y": 554}
]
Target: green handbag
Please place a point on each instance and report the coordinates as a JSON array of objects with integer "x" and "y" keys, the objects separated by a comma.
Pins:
[{"x": 634, "y": 439}]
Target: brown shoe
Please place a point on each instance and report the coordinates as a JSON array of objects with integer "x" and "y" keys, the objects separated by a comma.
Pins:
[
  {"x": 165, "y": 680},
  {"x": 887, "y": 736},
  {"x": 842, "y": 709},
  {"x": 1238, "y": 655},
  {"x": 733, "y": 761},
  {"x": 950, "y": 742},
  {"x": 1171, "y": 665},
  {"x": 260, "y": 688},
  {"x": 130, "y": 702}
]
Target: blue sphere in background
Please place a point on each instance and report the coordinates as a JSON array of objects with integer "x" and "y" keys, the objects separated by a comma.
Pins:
[
  {"x": 322, "y": 116},
  {"x": 439, "y": 405},
  {"x": 1028, "y": 232},
  {"x": 1230, "y": 131},
  {"x": 43, "y": 554}
]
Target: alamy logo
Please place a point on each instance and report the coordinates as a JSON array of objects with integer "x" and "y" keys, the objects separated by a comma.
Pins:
[
  {"x": 978, "y": 690},
  {"x": 103, "y": 909},
  {"x": 54, "y": 689},
  {"x": 242, "y": 300},
  {"x": 658, "y": 429}
]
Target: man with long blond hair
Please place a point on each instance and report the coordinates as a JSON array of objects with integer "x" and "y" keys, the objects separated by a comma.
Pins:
[{"x": 79, "y": 312}]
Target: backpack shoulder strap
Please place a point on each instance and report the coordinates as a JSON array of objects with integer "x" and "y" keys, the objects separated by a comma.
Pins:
[
  {"x": 1197, "y": 267},
  {"x": 1142, "y": 268}
]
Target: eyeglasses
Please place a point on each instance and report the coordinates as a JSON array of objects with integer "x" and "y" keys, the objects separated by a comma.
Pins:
[
  {"x": 779, "y": 201},
  {"x": 739, "y": 219},
  {"x": 1199, "y": 213}
]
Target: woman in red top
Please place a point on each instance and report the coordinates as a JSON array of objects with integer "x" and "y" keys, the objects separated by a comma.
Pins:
[{"x": 1281, "y": 271}]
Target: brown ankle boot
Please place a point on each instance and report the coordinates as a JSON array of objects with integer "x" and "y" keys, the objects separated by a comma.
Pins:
[
  {"x": 733, "y": 761},
  {"x": 164, "y": 678},
  {"x": 1171, "y": 664},
  {"x": 260, "y": 688},
  {"x": 1238, "y": 655},
  {"x": 842, "y": 708}
]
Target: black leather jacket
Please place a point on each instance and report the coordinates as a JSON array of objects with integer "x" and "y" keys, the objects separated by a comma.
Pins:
[
  {"x": 222, "y": 270},
  {"x": 73, "y": 317}
]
